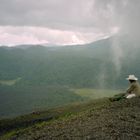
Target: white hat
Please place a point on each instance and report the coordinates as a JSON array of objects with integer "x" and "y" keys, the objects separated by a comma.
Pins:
[{"x": 132, "y": 77}]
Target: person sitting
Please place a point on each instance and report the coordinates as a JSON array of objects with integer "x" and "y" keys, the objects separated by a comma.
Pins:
[{"x": 134, "y": 89}]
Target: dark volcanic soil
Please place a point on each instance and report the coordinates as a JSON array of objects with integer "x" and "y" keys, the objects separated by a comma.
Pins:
[{"x": 118, "y": 121}]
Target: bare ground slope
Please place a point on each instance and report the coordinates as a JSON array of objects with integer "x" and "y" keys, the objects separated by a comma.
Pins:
[{"x": 119, "y": 120}]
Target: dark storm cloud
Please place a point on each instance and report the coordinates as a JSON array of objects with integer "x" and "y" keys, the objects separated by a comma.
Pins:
[
  {"x": 53, "y": 13},
  {"x": 95, "y": 17},
  {"x": 70, "y": 13}
]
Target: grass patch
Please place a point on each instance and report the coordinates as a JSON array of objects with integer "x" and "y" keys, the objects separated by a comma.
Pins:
[
  {"x": 96, "y": 93},
  {"x": 9, "y": 82}
]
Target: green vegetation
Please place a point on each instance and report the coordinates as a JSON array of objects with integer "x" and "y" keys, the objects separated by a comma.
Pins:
[
  {"x": 22, "y": 100},
  {"x": 37, "y": 77},
  {"x": 72, "y": 66},
  {"x": 61, "y": 80},
  {"x": 9, "y": 82},
  {"x": 95, "y": 93}
]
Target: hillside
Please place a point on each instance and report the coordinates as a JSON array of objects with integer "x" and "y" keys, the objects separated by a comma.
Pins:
[
  {"x": 73, "y": 66},
  {"x": 96, "y": 120},
  {"x": 34, "y": 77}
]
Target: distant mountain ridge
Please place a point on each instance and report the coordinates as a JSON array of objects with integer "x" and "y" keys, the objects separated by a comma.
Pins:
[
  {"x": 71, "y": 65},
  {"x": 45, "y": 77},
  {"x": 22, "y": 46}
]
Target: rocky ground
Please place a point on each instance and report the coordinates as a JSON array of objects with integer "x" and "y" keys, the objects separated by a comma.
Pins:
[{"x": 119, "y": 120}]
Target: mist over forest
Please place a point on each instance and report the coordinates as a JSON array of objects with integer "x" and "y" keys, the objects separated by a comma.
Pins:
[
  {"x": 74, "y": 48},
  {"x": 96, "y": 64},
  {"x": 34, "y": 77}
]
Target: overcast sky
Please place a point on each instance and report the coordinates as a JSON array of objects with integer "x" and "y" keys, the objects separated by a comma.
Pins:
[{"x": 66, "y": 21}]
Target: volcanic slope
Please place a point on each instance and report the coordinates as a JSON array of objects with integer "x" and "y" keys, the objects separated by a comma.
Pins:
[{"x": 107, "y": 120}]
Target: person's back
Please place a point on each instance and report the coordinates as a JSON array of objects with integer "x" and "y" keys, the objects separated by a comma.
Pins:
[
  {"x": 132, "y": 91},
  {"x": 134, "y": 88}
]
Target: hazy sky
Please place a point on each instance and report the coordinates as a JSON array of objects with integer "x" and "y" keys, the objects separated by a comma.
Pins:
[{"x": 66, "y": 21}]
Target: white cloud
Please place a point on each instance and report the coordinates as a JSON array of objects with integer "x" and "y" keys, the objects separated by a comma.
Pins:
[
  {"x": 67, "y": 21},
  {"x": 10, "y": 35},
  {"x": 115, "y": 30}
]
